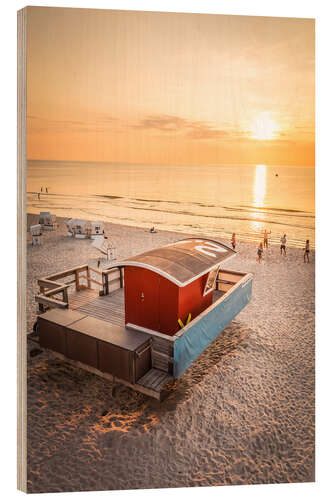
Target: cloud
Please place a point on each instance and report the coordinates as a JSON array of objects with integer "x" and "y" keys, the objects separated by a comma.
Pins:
[
  {"x": 177, "y": 124},
  {"x": 165, "y": 123},
  {"x": 203, "y": 131}
]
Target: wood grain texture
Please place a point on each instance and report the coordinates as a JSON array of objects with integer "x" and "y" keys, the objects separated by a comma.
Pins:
[{"x": 21, "y": 254}]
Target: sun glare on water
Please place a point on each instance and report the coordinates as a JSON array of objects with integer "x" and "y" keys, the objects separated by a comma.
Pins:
[{"x": 264, "y": 127}]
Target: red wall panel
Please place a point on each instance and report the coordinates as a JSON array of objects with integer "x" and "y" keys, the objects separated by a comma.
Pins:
[
  {"x": 168, "y": 306},
  {"x": 154, "y": 302},
  {"x": 191, "y": 299},
  {"x": 141, "y": 297}
]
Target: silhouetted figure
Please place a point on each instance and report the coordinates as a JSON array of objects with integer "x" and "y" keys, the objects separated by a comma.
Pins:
[
  {"x": 307, "y": 251},
  {"x": 260, "y": 252},
  {"x": 283, "y": 244},
  {"x": 233, "y": 240},
  {"x": 266, "y": 233}
]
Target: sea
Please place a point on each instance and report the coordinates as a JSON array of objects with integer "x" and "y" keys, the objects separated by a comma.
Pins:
[{"x": 214, "y": 200}]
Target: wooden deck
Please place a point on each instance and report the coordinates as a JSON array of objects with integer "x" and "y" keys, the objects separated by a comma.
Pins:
[{"x": 109, "y": 308}]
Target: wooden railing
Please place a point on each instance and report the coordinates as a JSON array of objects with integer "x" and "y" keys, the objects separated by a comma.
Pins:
[
  {"x": 106, "y": 274},
  {"x": 49, "y": 287}
]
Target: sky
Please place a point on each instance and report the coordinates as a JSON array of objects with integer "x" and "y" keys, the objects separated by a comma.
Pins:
[{"x": 166, "y": 88}]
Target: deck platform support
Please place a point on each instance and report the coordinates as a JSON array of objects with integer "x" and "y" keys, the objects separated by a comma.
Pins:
[{"x": 158, "y": 392}]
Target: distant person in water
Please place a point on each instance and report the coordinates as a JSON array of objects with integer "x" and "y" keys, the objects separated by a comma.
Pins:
[
  {"x": 266, "y": 233},
  {"x": 233, "y": 240},
  {"x": 260, "y": 252},
  {"x": 153, "y": 230},
  {"x": 307, "y": 251},
  {"x": 283, "y": 244}
]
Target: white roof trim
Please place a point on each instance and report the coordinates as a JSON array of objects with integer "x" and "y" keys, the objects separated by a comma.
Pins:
[{"x": 167, "y": 275}]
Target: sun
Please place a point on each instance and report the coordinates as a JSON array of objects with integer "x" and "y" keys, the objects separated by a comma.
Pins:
[{"x": 264, "y": 127}]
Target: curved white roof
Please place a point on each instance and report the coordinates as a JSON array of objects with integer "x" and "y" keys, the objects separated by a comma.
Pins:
[{"x": 183, "y": 261}]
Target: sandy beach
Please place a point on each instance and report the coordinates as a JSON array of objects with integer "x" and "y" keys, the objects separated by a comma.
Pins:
[{"x": 243, "y": 413}]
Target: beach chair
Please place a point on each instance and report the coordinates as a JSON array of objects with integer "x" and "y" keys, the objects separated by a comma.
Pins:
[
  {"x": 69, "y": 224},
  {"x": 96, "y": 229},
  {"x": 36, "y": 234},
  {"x": 48, "y": 221},
  {"x": 81, "y": 229}
]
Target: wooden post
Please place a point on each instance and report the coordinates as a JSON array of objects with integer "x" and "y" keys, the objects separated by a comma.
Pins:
[
  {"x": 103, "y": 284},
  {"x": 40, "y": 306},
  {"x": 88, "y": 277},
  {"x": 121, "y": 277},
  {"x": 106, "y": 284},
  {"x": 65, "y": 295},
  {"x": 77, "y": 280}
]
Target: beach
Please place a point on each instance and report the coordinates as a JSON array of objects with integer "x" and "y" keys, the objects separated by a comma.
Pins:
[
  {"x": 215, "y": 201},
  {"x": 243, "y": 413}
]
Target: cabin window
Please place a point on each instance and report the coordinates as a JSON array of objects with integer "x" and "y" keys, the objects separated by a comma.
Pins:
[{"x": 211, "y": 279}]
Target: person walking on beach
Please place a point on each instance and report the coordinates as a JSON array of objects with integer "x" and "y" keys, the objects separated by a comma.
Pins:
[
  {"x": 46, "y": 189},
  {"x": 266, "y": 233},
  {"x": 233, "y": 240},
  {"x": 38, "y": 194},
  {"x": 260, "y": 252},
  {"x": 307, "y": 250},
  {"x": 283, "y": 244}
]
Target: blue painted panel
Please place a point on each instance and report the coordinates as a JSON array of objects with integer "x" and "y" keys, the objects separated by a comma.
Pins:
[{"x": 195, "y": 340}]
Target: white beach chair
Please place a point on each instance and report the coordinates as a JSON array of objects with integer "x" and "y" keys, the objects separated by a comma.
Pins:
[
  {"x": 81, "y": 229},
  {"x": 69, "y": 224},
  {"x": 48, "y": 221},
  {"x": 96, "y": 229},
  {"x": 36, "y": 234}
]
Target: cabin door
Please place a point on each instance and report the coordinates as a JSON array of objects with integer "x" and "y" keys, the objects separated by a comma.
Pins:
[
  {"x": 148, "y": 301},
  {"x": 141, "y": 297}
]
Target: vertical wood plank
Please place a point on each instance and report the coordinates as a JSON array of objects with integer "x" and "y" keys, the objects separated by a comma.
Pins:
[
  {"x": 88, "y": 277},
  {"x": 77, "y": 281}
]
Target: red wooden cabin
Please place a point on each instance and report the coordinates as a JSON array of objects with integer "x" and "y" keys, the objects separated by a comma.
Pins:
[{"x": 168, "y": 284}]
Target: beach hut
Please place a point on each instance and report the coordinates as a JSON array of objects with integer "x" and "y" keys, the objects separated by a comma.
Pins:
[
  {"x": 96, "y": 229},
  {"x": 179, "y": 298},
  {"x": 36, "y": 234},
  {"x": 169, "y": 286}
]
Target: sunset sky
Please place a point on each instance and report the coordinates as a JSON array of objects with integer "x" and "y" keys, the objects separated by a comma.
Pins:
[{"x": 144, "y": 87}]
